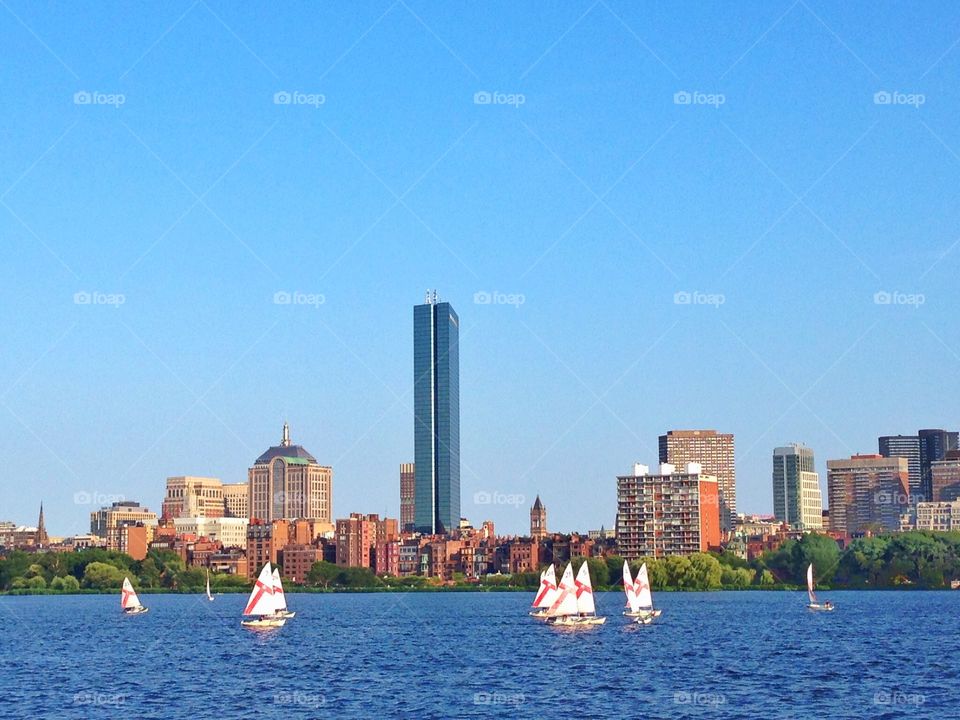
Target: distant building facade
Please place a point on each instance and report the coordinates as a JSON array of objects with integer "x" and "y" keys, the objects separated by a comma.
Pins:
[
  {"x": 715, "y": 453},
  {"x": 670, "y": 512},
  {"x": 108, "y": 521},
  {"x": 945, "y": 478},
  {"x": 236, "y": 500},
  {"x": 287, "y": 482},
  {"x": 797, "y": 500},
  {"x": 867, "y": 491},
  {"x": 228, "y": 531},
  {"x": 538, "y": 520},
  {"x": 939, "y": 516},
  {"x": 407, "y": 496},
  {"x": 358, "y": 537},
  {"x": 192, "y": 496},
  {"x": 905, "y": 446},
  {"x": 934, "y": 445}
]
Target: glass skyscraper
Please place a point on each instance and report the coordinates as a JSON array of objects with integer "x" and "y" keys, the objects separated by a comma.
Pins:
[
  {"x": 934, "y": 445},
  {"x": 436, "y": 410}
]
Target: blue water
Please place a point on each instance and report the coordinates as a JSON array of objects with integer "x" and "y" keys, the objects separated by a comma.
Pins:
[{"x": 742, "y": 655}]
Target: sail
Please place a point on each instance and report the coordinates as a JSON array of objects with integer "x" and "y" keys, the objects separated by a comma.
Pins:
[
  {"x": 585, "y": 603},
  {"x": 548, "y": 589},
  {"x": 642, "y": 588},
  {"x": 261, "y": 600},
  {"x": 209, "y": 596},
  {"x": 280, "y": 599},
  {"x": 128, "y": 596},
  {"x": 629, "y": 588},
  {"x": 813, "y": 598},
  {"x": 565, "y": 602}
]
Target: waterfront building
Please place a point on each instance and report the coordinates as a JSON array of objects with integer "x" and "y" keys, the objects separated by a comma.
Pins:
[
  {"x": 940, "y": 516},
  {"x": 296, "y": 560},
  {"x": 134, "y": 540},
  {"x": 945, "y": 478},
  {"x": 107, "y": 521},
  {"x": 797, "y": 500},
  {"x": 228, "y": 531},
  {"x": 715, "y": 453},
  {"x": 670, "y": 512},
  {"x": 192, "y": 496},
  {"x": 436, "y": 410},
  {"x": 358, "y": 536},
  {"x": 538, "y": 520},
  {"x": 264, "y": 541},
  {"x": 867, "y": 492},
  {"x": 236, "y": 500},
  {"x": 287, "y": 482},
  {"x": 905, "y": 446},
  {"x": 934, "y": 445},
  {"x": 524, "y": 555},
  {"x": 407, "y": 496}
]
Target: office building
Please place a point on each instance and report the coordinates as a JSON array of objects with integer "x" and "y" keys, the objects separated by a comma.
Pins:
[
  {"x": 407, "y": 496},
  {"x": 945, "y": 478},
  {"x": 905, "y": 446},
  {"x": 236, "y": 500},
  {"x": 867, "y": 492},
  {"x": 934, "y": 445},
  {"x": 714, "y": 452},
  {"x": 191, "y": 496},
  {"x": 797, "y": 500},
  {"x": 107, "y": 522},
  {"x": 286, "y": 482}
]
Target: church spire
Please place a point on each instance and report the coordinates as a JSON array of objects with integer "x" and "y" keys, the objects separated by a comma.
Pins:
[
  {"x": 42, "y": 538},
  {"x": 285, "y": 442}
]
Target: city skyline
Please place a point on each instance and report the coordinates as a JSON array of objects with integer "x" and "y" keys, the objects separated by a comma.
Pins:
[{"x": 209, "y": 232}]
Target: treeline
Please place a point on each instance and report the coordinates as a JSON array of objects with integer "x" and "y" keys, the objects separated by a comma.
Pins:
[{"x": 99, "y": 570}]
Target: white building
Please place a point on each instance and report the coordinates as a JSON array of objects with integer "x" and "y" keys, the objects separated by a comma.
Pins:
[
  {"x": 230, "y": 532},
  {"x": 938, "y": 515}
]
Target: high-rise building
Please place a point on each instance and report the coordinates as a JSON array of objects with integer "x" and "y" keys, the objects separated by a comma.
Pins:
[
  {"x": 108, "y": 521},
  {"x": 796, "y": 488},
  {"x": 359, "y": 536},
  {"x": 905, "y": 446},
  {"x": 934, "y": 445},
  {"x": 945, "y": 478},
  {"x": 236, "y": 500},
  {"x": 867, "y": 492},
  {"x": 436, "y": 409},
  {"x": 407, "y": 496},
  {"x": 671, "y": 512},
  {"x": 286, "y": 482},
  {"x": 191, "y": 496},
  {"x": 538, "y": 520},
  {"x": 714, "y": 452}
]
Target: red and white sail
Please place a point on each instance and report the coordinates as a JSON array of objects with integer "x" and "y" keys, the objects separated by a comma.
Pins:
[
  {"x": 642, "y": 588},
  {"x": 565, "y": 601},
  {"x": 585, "y": 604},
  {"x": 128, "y": 596},
  {"x": 813, "y": 598},
  {"x": 261, "y": 601},
  {"x": 629, "y": 588},
  {"x": 280, "y": 600},
  {"x": 548, "y": 588}
]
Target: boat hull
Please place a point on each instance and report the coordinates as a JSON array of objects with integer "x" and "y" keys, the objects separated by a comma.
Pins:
[
  {"x": 539, "y": 615},
  {"x": 264, "y": 623},
  {"x": 643, "y": 614},
  {"x": 817, "y": 607},
  {"x": 286, "y": 614},
  {"x": 572, "y": 621},
  {"x": 135, "y": 611}
]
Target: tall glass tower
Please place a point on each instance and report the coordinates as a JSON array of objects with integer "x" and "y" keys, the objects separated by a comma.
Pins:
[{"x": 436, "y": 416}]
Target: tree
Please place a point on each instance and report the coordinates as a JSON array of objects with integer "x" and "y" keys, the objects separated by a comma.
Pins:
[
  {"x": 677, "y": 570},
  {"x": 66, "y": 583},
  {"x": 322, "y": 573},
  {"x": 102, "y": 576},
  {"x": 704, "y": 572},
  {"x": 37, "y": 583}
]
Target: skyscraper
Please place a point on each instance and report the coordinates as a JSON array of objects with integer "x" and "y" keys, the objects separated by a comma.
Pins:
[
  {"x": 407, "y": 494},
  {"x": 796, "y": 488},
  {"x": 436, "y": 410},
  {"x": 934, "y": 445},
  {"x": 866, "y": 492},
  {"x": 905, "y": 446},
  {"x": 714, "y": 452}
]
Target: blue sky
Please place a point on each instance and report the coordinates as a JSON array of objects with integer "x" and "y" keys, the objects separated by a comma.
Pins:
[{"x": 783, "y": 197}]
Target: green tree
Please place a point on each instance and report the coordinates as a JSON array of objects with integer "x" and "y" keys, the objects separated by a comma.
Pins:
[
  {"x": 677, "y": 570},
  {"x": 36, "y": 583},
  {"x": 322, "y": 573},
  {"x": 102, "y": 576},
  {"x": 704, "y": 573}
]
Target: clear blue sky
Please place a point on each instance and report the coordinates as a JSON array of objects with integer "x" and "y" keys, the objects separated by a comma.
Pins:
[{"x": 597, "y": 199}]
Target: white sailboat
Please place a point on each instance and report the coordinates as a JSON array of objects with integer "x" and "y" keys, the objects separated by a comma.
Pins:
[
  {"x": 129, "y": 601},
  {"x": 279, "y": 597},
  {"x": 814, "y": 604},
  {"x": 639, "y": 596},
  {"x": 261, "y": 606},
  {"x": 546, "y": 594},
  {"x": 574, "y": 606},
  {"x": 209, "y": 596}
]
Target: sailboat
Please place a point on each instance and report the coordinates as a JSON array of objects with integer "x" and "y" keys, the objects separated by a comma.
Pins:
[
  {"x": 574, "y": 606},
  {"x": 546, "y": 594},
  {"x": 280, "y": 598},
  {"x": 261, "y": 605},
  {"x": 209, "y": 596},
  {"x": 129, "y": 601},
  {"x": 639, "y": 597},
  {"x": 826, "y": 606}
]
